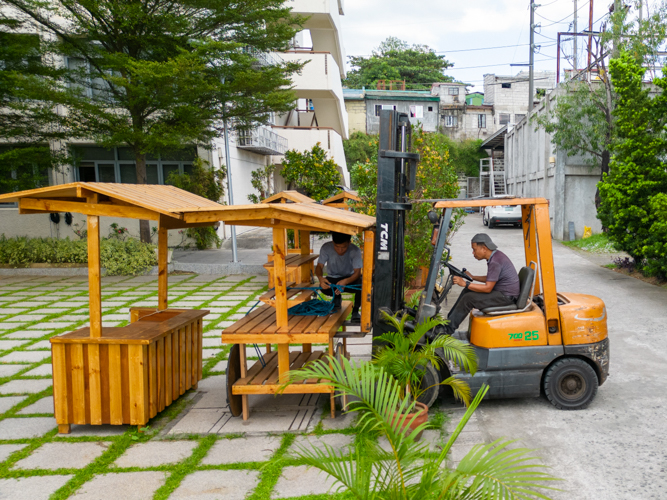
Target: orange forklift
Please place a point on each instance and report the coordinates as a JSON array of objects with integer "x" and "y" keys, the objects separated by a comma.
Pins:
[{"x": 549, "y": 342}]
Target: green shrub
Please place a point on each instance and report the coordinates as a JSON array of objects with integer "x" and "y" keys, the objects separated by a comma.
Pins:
[{"x": 118, "y": 257}]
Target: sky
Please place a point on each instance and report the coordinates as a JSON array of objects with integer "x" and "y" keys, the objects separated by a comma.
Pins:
[{"x": 454, "y": 27}]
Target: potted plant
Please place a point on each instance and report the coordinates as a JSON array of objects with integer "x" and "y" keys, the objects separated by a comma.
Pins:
[
  {"x": 407, "y": 470},
  {"x": 408, "y": 361}
]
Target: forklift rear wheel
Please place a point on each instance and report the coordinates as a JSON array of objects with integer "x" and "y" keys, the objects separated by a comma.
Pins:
[
  {"x": 431, "y": 380},
  {"x": 570, "y": 384}
]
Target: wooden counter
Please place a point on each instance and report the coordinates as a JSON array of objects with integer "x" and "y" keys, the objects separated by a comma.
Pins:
[{"x": 129, "y": 374}]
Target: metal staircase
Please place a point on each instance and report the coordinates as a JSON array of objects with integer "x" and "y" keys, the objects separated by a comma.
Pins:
[{"x": 492, "y": 177}]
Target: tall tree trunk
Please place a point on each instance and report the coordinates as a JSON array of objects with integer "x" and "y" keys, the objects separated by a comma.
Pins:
[
  {"x": 144, "y": 226},
  {"x": 604, "y": 169}
]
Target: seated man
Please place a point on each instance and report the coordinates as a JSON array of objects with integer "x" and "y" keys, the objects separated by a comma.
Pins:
[
  {"x": 500, "y": 285},
  {"x": 344, "y": 262}
]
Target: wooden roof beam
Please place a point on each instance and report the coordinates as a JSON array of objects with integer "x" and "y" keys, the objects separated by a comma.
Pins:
[{"x": 101, "y": 209}]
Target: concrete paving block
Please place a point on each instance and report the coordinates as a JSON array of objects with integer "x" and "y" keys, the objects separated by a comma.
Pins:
[
  {"x": 42, "y": 344},
  {"x": 11, "y": 310},
  {"x": 25, "y": 356},
  {"x": 212, "y": 399},
  {"x": 156, "y": 453},
  {"x": 200, "y": 421},
  {"x": 9, "y": 402},
  {"x": 32, "y": 488},
  {"x": 128, "y": 486},
  {"x": 41, "y": 371},
  {"x": 342, "y": 421},
  {"x": 212, "y": 342},
  {"x": 11, "y": 326},
  {"x": 26, "y": 428},
  {"x": 225, "y": 324},
  {"x": 27, "y": 334},
  {"x": 339, "y": 442},
  {"x": 303, "y": 480},
  {"x": 54, "y": 456},
  {"x": 51, "y": 325},
  {"x": 44, "y": 405},
  {"x": 209, "y": 353},
  {"x": 9, "y": 370},
  {"x": 101, "y": 431},
  {"x": 7, "y": 449},
  {"x": 219, "y": 310},
  {"x": 116, "y": 317},
  {"x": 25, "y": 386},
  {"x": 31, "y": 317},
  {"x": 431, "y": 437},
  {"x": 267, "y": 421},
  {"x": 250, "y": 449},
  {"x": 236, "y": 317},
  {"x": 217, "y": 485}
]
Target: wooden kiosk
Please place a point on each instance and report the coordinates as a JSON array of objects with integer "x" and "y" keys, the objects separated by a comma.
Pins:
[
  {"x": 341, "y": 199},
  {"x": 124, "y": 375}
]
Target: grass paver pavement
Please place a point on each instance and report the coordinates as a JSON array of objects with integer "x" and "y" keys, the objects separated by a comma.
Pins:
[{"x": 118, "y": 461}]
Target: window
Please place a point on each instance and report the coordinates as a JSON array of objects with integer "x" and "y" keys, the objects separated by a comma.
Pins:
[
  {"x": 518, "y": 117},
  {"x": 504, "y": 119},
  {"x": 506, "y": 85},
  {"x": 451, "y": 121},
  {"x": 380, "y": 107},
  {"x": 96, "y": 164},
  {"x": 481, "y": 121},
  {"x": 97, "y": 88},
  {"x": 416, "y": 111},
  {"x": 430, "y": 108},
  {"x": 453, "y": 90}
]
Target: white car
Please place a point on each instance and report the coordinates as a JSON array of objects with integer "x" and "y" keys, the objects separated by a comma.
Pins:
[{"x": 502, "y": 215}]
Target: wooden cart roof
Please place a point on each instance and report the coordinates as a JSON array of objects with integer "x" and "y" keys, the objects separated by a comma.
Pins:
[
  {"x": 176, "y": 208},
  {"x": 341, "y": 198},
  {"x": 488, "y": 202},
  {"x": 288, "y": 196}
]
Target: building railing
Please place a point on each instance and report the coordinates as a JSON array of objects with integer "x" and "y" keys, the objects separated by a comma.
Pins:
[
  {"x": 263, "y": 58},
  {"x": 261, "y": 140}
]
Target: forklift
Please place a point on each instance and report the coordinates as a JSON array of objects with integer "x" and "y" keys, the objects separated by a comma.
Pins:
[{"x": 546, "y": 343}]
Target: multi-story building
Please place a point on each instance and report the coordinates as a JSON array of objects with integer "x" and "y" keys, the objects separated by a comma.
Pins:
[{"x": 458, "y": 119}]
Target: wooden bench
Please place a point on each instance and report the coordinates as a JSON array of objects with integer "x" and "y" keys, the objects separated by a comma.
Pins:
[
  {"x": 299, "y": 268},
  {"x": 296, "y": 295}
]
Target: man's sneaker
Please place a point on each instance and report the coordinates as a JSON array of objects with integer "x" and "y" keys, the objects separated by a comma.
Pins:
[{"x": 356, "y": 317}]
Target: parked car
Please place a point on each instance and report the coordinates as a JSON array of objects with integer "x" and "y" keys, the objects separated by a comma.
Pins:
[{"x": 495, "y": 215}]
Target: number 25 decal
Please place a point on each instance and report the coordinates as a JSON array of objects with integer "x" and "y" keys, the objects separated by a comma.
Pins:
[{"x": 532, "y": 335}]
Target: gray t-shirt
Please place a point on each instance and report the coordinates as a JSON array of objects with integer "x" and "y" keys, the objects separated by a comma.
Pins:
[
  {"x": 502, "y": 271},
  {"x": 340, "y": 266}
]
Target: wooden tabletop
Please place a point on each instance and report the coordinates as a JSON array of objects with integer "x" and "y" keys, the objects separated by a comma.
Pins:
[
  {"x": 260, "y": 327},
  {"x": 145, "y": 331},
  {"x": 292, "y": 261}
]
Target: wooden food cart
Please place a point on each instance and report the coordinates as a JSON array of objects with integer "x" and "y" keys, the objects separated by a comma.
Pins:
[
  {"x": 123, "y": 375},
  {"x": 341, "y": 199},
  {"x": 271, "y": 324}
]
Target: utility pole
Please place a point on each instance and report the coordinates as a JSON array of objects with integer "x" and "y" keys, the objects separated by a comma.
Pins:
[
  {"x": 230, "y": 191},
  {"x": 640, "y": 11},
  {"x": 576, "y": 67},
  {"x": 531, "y": 60},
  {"x": 590, "y": 37}
]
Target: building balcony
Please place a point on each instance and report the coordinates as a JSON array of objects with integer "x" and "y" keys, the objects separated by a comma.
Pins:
[
  {"x": 324, "y": 25},
  {"x": 302, "y": 138},
  {"x": 263, "y": 58},
  {"x": 261, "y": 140},
  {"x": 320, "y": 82}
]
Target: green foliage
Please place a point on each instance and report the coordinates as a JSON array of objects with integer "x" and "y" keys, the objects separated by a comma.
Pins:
[
  {"x": 262, "y": 181},
  {"x": 406, "y": 470},
  {"x": 465, "y": 155},
  {"x": 360, "y": 148},
  {"x": 118, "y": 257},
  {"x": 436, "y": 178},
  {"x": 394, "y": 59},
  {"x": 598, "y": 243},
  {"x": 633, "y": 201},
  {"x": 402, "y": 357},
  {"x": 311, "y": 173},
  {"x": 207, "y": 183}
]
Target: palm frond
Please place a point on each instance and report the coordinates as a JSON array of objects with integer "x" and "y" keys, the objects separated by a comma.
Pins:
[{"x": 461, "y": 353}]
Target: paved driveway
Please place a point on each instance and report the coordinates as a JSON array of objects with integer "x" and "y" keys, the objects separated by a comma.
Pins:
[{"x": 617, "y": 448}]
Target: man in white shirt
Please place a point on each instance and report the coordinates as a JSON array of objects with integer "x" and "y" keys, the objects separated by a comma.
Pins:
[{"x": 343, "y": 261}]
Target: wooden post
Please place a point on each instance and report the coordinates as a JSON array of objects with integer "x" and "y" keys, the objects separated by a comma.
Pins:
[
  {"x": 94, "y": 279},
  {"x": 244, "y": 372},
  {"x": 366, "y": 280},
  {"x": 280, "y": 280},
  {"x": 304, "y": 246},
  {"x": 162, "y": 280}
]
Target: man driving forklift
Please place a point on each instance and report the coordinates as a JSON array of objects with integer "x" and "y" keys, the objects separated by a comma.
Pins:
[{"x": 499, "y": 287}]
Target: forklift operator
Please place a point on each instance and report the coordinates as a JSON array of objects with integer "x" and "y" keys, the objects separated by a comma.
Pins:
[
  {"x": 500, "y": 286},
  {"x": 344, "y": 262}
]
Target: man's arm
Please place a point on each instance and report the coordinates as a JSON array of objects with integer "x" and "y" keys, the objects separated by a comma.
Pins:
[
  {"x": 324, "y": 283},
  {"x": 474, "y": 287},
  {"x": 355, "y": 276},
  {"x": 481, "y": 279}
]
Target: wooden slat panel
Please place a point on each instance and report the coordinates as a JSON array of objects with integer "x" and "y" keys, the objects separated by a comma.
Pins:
[
  {"x": 138, "y": 386},
  {"x": 115, "y": 385},
  {"x": 78, "y": 385},
  {"x": 125, "y": 382},
  {"x": 196, "y": 336},
  {"x": 314, "y": 356},
  {"x": 271, "y": 293},
  {"x": 61, "y": 395},
  {"x": 181, "y": 362},
  {"x": 86, "y": 385},
  {"x": 160, "y": 376},
  {"x": 188, "y": 356},
  {"x": 175, "y": 365},
  {"x": 168, "y": 369},
  {"x": 95, "y": 384},
  {"x": 277, "y": 375},
  {"x": 104, "y": 380},
  {"x": 152, "y": 380},
  {"x": 336, "y": 319},
  {"x": 262, "y": 310},
  {"x": 257, "y": 367},
  {"x": 264, "y": 372}
]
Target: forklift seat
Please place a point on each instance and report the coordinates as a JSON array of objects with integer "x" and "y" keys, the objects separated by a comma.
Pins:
[{"x": 526, "y": 292}]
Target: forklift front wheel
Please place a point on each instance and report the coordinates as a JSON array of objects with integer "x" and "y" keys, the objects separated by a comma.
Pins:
[
  {"x": 430, "y": 382},
  {"x": 570, "y": 384}
]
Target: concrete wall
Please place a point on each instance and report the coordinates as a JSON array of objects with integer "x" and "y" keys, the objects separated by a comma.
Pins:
[
  {"x": 467, "y": 124},
  {"x": 429, "y": 120},
  {"x": 535, "y": 167},
  {"x": 356, "y": 115}
]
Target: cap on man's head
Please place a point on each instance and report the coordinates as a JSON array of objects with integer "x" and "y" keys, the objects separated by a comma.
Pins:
[{"x": 484, "y": 239}]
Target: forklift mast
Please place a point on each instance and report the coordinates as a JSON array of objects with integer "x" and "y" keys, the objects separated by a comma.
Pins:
[{"x": 397, "y": 169}]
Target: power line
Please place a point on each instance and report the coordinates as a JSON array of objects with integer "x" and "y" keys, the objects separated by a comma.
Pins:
[
  {"x": 463, "y": 50},
  {"x": 561, "y": 21}
]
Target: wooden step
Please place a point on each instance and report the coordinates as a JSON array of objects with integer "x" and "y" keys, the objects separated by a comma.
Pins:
[{"x": 294, "y": 296}]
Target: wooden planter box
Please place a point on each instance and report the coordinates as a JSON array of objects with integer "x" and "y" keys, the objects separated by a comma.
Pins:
[{"x": 129, "y": 374}]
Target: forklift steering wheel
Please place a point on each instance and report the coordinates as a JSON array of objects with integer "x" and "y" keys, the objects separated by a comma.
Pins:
[{"x": 457, "y": 272}]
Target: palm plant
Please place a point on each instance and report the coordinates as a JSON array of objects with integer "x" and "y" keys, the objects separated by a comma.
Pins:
[
  {"x": 406, "y": 359},
  {"x": 407, "y": 471}
]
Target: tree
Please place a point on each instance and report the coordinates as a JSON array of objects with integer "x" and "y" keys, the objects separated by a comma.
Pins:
[
  {"x": 394, "y": 59},
  {"x": 360, "y": 147},
  {"x": 634, "y": 193},
  {"x": 159, "y": 76},
  {"x": 582, "y": 121},
  {"x": 311, "y": 173},
  {"x": 28, "y": 120},
  {"x": 262, "y": 181}
]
